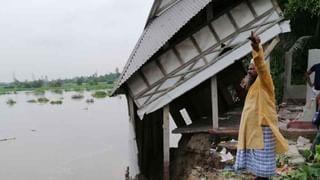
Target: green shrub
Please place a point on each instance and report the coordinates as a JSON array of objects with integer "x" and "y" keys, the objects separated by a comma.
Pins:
[
  {"x": 32, "y": 101},
  {"x": 57, "y": 91},
  {"x": 43, "y": 100},
  {"x": 77, "y": 96},
  {"x": 99, "y": 94},
  {"x": 11, "y": 102},
  {"x": 39, "y": 92},
  {"x": 56, "y": 102}
]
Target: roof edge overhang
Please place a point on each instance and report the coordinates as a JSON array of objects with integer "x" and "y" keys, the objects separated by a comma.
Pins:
[
  {"x": 212, "y": 70},
  {"x": 168, "y": 13}
]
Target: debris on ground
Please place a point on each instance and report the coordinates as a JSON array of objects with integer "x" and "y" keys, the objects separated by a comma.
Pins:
[
  {"x": 225, "y": 156},
  {"x": 303, "y": 144},
  {"x": 205, "y": 160}
]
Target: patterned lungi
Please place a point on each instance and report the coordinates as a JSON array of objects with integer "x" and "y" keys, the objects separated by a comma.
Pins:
[{"x": 260, "y": 162}]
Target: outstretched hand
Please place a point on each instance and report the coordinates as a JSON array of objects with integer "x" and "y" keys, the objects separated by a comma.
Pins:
[{"x": 255, "y": 41}]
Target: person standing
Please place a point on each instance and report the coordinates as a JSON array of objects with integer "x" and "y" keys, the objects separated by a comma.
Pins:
[
  {"x": 316, "y": 83},
  {"x": 316, "y": 90},
  {"x": 259, "y": 138}
]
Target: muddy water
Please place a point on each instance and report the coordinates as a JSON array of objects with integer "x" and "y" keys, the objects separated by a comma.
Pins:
[{"x": 72, "y": 141}]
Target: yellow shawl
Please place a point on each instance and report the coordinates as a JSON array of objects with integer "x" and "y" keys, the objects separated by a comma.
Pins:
[{"x": 259, "y": 109}]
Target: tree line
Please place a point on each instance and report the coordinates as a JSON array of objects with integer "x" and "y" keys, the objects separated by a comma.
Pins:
[{"x": 93, "y": 79}]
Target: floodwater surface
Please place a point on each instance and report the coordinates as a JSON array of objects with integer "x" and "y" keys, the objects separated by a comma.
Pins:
[{"x": 71, "y": 141}]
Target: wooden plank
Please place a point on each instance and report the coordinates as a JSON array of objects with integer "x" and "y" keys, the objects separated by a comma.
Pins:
[
  {"x": 133, "y": 164},
  {"x": 166, "y": 143},
  {"x": 204, "y": 127},
  {"x": 224, "y": 131},
  {"x": 214, "y": 102},
  {"x": 176, "y": 115},
  {"x": 193, "y": 128}
]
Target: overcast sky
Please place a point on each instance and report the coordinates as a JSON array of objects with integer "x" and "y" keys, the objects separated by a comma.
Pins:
[{"x": 67, "y": 38}]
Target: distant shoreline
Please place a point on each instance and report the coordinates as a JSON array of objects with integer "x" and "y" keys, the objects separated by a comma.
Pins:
[{"x": 93, "y": 82}]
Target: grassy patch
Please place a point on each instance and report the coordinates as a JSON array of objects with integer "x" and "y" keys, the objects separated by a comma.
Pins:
[
  {"x": 56, "y": 102},
  {"x": 39, "y": 92},
  {"x": 32, "y": 101},
  {"x": 57, "y": 91},
  {"x": 43, "y": 100},
  {"x": 99, "y": 94},
  {"x": 11, "y": 102},
  {"x": 77, "y": 96}
]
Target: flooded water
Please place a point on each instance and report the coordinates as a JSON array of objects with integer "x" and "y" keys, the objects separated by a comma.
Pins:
[{"x": 72, "y": 141}]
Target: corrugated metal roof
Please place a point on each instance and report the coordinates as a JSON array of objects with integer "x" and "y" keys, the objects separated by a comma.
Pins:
[
  {"x": 212, "y": 70},
  {"x": 158, "y": 32}
]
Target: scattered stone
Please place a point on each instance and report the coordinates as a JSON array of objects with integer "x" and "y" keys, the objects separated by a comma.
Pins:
[
  {"x": 303, "y": 144},
  {"x": 301, "y": 141},
  {"x": 294, "y": 157},
  {"x": 295, "y": 161},
  {"x": 291, "y": 142},
  {"x": 292, "y": 151}
]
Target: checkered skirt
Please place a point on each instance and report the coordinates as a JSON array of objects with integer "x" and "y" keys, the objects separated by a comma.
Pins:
[{"x": 260, "y": 162}]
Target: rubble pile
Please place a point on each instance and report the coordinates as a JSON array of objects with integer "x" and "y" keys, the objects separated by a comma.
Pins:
[
  {"x": 198, "y": 159},
  {"x": 193, "y": 160}
]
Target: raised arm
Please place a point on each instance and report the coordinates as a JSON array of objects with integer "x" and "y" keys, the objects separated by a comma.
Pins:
[
  {"x": 260, "y": 64},
  {"x": 308, "y": 76}
]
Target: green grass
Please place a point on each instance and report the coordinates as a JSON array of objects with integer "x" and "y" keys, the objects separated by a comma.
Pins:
[
  {"x": 32, "y": 101},
  {"x": 11, "y": 102},
  {"x": 77, "y": 96},
  {"x": 56, "y": 102},
  {"x": 43, "y": 100},
  {"x": 99, "y": 94},
  {"x": 39, "y": 92},
  {"x": 59, "y": 90}
]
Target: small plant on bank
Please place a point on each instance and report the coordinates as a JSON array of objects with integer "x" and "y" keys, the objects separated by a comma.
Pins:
[
  {"x": 77, "y": 96},
  {"x": 56, "y": 102},
  {"x": 99, "y": 94},
  {"x": 11, "y": 102},
  {"x": 57, "y": 91},
  {"x": 39, "y": 92},
  {"x": 32, "y": 101},
  {"x": 43, "y": 100},
  {"x": 89, "y": 101}
]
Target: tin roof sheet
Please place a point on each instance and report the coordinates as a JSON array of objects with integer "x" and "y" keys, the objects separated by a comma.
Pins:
[{"x": 158, "y": 32}]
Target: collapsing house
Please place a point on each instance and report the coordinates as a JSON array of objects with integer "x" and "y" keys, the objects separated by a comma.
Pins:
[{"x": 189, "y": 57}]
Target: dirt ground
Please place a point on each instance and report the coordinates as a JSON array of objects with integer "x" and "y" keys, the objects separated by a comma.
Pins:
[{"x": 194, "y": 161}]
